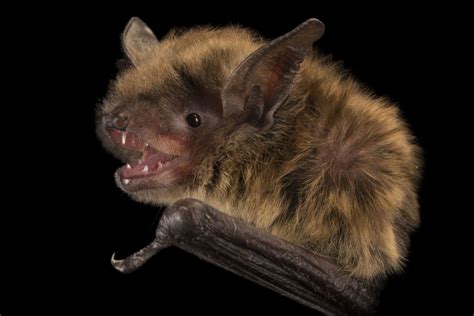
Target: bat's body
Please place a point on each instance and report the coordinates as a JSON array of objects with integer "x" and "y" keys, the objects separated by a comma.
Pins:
[{"x": 328, "y": 166}]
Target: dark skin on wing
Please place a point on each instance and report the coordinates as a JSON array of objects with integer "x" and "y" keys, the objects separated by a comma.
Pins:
[{"x": 269, "y": 133}]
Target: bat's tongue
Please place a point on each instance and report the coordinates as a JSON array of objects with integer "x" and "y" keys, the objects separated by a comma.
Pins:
[{"x": 151, "y": 162}]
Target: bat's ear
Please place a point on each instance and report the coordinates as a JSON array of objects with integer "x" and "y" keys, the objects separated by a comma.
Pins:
[
  {"x": 138, "y": 40},
  {"x": 262, "y": 82}
]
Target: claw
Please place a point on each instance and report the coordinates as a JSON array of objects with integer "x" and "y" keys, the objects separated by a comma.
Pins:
[
  {"x": 117, "y": 264},
  {"x": 139, "y": 258}
]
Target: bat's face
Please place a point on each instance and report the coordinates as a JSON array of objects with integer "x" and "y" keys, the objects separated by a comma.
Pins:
[
  {"x": 160, "y": 115},
  {"x": 157, "y": 136},
  {"x": 158, "y": 118},
  {"x": 165, "y": 113}
]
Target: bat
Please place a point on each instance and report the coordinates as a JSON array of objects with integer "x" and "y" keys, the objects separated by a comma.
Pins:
[{"x": 269, "y": 133}]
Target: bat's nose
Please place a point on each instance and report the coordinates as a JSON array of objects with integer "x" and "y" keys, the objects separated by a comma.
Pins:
[{"x": 119, "y": 122}]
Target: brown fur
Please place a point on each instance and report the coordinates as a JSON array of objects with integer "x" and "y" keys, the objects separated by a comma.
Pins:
[{"x": 336, "y": 173}]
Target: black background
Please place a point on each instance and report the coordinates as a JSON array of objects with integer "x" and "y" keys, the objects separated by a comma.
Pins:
[{"x": 73, "y": 217}]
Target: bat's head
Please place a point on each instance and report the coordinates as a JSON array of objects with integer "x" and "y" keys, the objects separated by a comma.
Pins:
[{"x": 181, "y": 97}]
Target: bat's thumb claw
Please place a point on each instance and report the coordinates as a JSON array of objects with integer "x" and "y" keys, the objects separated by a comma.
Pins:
[
  {"x": 117, "y": 264},
  {"x": 136, "y": 260}
]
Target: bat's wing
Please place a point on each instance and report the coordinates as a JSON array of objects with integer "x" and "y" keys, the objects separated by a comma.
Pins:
[{"x": 233, "y": 244}]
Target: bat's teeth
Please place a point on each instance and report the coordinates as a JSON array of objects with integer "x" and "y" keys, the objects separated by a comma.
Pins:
[
  {"x": 160, "y": 164},
  {"x": 126, "y": 181},
  {"x": 145, "y": 169},
  {"x": 146, "y": 145},
  {"x": 128, "y": 166},
  {"x": 124, "y": 138}
]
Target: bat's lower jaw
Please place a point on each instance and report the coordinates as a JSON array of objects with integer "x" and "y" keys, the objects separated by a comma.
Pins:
[{"x": 166, "y": 176}]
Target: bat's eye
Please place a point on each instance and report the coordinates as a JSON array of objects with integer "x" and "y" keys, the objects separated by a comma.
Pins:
[{"x": 194, "y": 120}]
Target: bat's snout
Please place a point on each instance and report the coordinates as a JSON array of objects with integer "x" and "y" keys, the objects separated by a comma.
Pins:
[
  {"x": 119, "y": 122},
  {"x": 116, "y": 125}
]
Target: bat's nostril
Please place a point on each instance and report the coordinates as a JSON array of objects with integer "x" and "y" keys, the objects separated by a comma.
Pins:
[
  {"x": 121, "y": 122},
  {"x": 117, "y": 122}
]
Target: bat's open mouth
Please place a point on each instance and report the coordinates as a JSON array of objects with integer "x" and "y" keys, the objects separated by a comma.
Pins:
[
  {"x": 152, "y": 163},
  {"x": 153, "y": 169}
]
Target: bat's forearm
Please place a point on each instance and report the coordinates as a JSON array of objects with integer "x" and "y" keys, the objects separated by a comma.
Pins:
[{"x": 235, "y": 245}]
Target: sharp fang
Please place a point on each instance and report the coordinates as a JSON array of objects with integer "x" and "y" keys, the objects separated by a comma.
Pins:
[
  {"x": 128, "y": 166},
  {"x": 160, "y": 164},
  {"x": 124, "y": 138},
  {"x": 146, "y": 145},
  {"x": 126, "y": 181},
  {"x": 145, "y": 169}
]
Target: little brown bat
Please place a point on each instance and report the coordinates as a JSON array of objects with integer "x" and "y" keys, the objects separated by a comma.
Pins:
[{"x": 223, "y": 116}]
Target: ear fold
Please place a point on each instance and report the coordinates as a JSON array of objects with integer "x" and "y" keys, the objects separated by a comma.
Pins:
[
  {"x": 262, "y": 82},
  {"x": 137, "y": 40}
]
